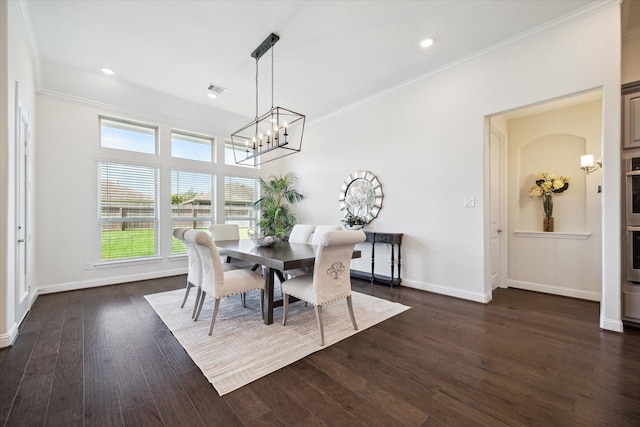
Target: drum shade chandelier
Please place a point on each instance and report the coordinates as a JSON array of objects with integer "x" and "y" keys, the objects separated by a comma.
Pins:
[{"x": 273, "y": 135}]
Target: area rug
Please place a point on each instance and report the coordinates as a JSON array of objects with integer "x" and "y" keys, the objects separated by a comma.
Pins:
[{"x": 243, "y": 349}]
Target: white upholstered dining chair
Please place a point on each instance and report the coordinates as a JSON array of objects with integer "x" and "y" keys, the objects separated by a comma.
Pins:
[
  {"x": 330, "y": 280},
  {"x": 224, "y": 232},
  {"x": 194, "y": 270},
  {"x": 314, "y": 238},
  {"x": 301, "y": 233},
  {"x": 217, "y": 282},
  {"x": 193, "y": 273},
  {"x": 320, "y": 231}
]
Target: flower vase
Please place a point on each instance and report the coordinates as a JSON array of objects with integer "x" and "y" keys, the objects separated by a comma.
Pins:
[{"x": 547, "y": 205}]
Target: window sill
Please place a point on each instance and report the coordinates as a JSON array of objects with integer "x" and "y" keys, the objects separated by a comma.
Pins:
[
  {"x": 127, "y": 262},
  {"x": 552, "y": 235}
]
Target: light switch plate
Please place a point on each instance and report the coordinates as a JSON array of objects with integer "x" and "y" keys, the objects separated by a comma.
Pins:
[{"x": 469, "y": 202}]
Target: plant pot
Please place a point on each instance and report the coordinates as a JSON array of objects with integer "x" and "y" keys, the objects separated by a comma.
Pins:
[
  {"x": 353, "y": 227},
  {"x": 547, "y": 224}
]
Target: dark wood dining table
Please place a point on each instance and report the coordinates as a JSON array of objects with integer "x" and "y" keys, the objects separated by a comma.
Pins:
[{"x": 276, "y": 259}]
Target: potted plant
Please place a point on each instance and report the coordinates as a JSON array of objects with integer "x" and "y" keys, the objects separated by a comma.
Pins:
[
  {"x": 353, "y": 222},
  {"x": 546, "y": 184},
  {"x": 276, "y": 219}
]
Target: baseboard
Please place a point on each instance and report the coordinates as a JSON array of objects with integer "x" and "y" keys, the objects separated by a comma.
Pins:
[
  {"x": 7, "y": 340},
  {"x": 555, "y": 290},
  {"x": 611, "y": 325},
  {"x": 84, "y": 284},
  {"x": 445, "y": 290}
]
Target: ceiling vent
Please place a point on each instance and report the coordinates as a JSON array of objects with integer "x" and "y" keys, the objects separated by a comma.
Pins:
[{"x": 216, "y": 89}]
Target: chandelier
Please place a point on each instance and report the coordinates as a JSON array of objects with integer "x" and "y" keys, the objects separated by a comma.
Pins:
[{"x": 273, "y": 135}]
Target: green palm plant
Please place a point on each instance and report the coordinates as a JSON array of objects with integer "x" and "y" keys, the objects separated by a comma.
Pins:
[{"x": 276, "y": 219}]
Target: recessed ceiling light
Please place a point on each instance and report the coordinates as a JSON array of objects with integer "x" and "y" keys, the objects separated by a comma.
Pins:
[
  {"x": 108, "y": 71},
  {"x": 427, "y": 42},
  {"x": 212, "y": 95}
]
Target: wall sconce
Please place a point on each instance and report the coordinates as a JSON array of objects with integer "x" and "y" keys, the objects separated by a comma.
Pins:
[{"x": 588, "y": 165}]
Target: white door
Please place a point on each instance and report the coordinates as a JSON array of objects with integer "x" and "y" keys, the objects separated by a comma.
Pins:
[
  {"x": 497, "y": 244},
  {"x": 23, "y": 135}
]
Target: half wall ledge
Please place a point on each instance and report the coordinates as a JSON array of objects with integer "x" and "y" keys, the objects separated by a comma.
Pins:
[{"x": 552, "y": 235}]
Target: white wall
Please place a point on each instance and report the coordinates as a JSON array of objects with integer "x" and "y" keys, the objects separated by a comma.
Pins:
[
  {"x": 425, "y": 142},
  {"x": 555, "y": 262},
  {"x": 17, "y": 66}
]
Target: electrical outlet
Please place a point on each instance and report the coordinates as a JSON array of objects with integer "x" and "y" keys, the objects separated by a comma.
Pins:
[
  {"x": 469, "y": 202},
  {"x": 88, "y": 265}
]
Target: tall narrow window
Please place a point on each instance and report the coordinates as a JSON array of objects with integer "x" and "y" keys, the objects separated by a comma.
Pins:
[
  {"x": 129, "y": 136},
  {"x": 239, "y": 195},
  {"x": 192, "y": 147},
  {"x": 128, "y": 214},
  {"x": 191, "y": 196}
]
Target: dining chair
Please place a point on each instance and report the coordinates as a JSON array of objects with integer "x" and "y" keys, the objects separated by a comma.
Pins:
[
  {"x": 330, "y": 280},
  {"x": 315, "y": 238},
  {"x": 217, "y": 282},
  {"x": 301, "y": 233},
  {"x": 224, "y": 232},
  {"x": 320, "y": 231},
  {"x": 193, "y": 266},
  {"x": 194, "y": 271}
]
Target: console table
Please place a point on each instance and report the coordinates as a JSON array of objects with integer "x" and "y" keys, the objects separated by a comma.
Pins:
[{"x": 393, "y": 239}]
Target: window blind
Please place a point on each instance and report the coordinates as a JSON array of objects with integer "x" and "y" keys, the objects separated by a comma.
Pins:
[{"x": 128, "y": 219}]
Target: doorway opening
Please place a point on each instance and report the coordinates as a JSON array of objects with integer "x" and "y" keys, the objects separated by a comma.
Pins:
[{"x": 546, "y": 138}]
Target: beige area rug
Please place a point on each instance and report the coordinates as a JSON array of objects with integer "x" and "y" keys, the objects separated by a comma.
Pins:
[{"x": 243, "y": 349}]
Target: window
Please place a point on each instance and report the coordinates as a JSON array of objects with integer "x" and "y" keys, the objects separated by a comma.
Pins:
[
  {"x": 239, "y": 195},
  {"x": 187, "y": 146},
  {"x": 191, "y": 195},
  {"x": 127, "y": 218},
  {"x": 128, "y": 136}
]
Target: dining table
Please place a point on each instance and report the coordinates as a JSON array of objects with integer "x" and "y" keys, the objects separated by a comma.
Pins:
[{"x": 275, "y": 259}]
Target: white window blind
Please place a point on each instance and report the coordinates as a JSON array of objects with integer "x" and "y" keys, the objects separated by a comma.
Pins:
[
  {"x": 191, "y": 207},
  {"x": 129, "y": 136},
  {"x": 192, "y": 147},
  {"x": 240, "y": 193},
  {"x": 128, "y": 219}
]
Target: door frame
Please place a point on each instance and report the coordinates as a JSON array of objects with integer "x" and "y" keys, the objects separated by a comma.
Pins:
[
  {"x": 502, "y": 205},
  {"x": 489, "y": 130},
  {"x": 22, "y": 141}
]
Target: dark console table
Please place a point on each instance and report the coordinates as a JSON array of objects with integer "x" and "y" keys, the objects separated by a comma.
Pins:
[{"x": 393, "y": 239}]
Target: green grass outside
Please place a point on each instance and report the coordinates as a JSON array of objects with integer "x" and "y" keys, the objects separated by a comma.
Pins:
[{"x": 128, "y": 244}]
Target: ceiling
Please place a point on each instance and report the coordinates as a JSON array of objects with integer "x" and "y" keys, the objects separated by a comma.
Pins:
[{"x": 331, "y": 54}]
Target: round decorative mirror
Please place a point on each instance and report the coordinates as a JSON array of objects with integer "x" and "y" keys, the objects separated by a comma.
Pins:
[{"x": 361, "y": 196}]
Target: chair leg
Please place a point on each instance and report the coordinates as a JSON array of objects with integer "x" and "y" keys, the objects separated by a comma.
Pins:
[
  {"x": 195, "y": 305},
  {"x": 215, "y": 313},
  {"x": 353, "y": 318},
  {"x": 200, "y": 304},
  {"x": 186, "y": 294},
  {"x": 243, "y": 299},
  {"x": 285, "y": 308},
  {"x": 319, "y": 319}
]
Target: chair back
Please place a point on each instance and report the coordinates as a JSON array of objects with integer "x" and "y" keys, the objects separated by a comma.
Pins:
[
  {"x": 301, "y": 233},
  {"x": 194, "y": 271},
  {"x": 212, "y": 272},
  {"x": 320, "y": 231},
  {"x": 225, "y": 232},
  {"x": 331, "y": 271}
]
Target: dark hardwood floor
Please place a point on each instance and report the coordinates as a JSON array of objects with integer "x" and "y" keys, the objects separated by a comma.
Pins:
[{"x": 103, "y": 357}]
